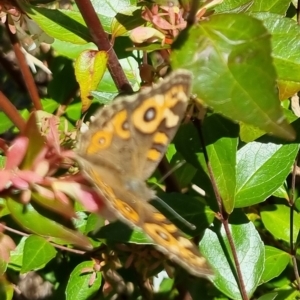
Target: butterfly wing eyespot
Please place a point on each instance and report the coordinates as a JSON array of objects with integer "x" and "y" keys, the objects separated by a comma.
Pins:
[
  {"x": 171, "y": 241},
  {"x": 121, "y": 126},
  {"x": 100, "y": 140}
]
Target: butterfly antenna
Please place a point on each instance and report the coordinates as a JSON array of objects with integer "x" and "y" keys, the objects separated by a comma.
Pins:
[
  {"x": 180, "y": 164},
  {"x": 169, "y": 208},
  {"x": 175, "y": 213}
]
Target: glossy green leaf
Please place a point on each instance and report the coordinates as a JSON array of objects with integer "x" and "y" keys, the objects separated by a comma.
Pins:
[
  {"x": 233, "y": 70},
  {"x": 49, "y": 105},
  {"x": 65, "y": 25},
  {"x": 79, "y": 285},
  {"x": 285, "y": 33},
  {"x": 28, "y": 217},
  {"x": 37, "y": 253},
  {"x": 250, "y": 254},
  {"x": 221, "y": 138},
  {"x": 110, "y": 8},
  {"x": 234, "y": 6},
  {"x": 288, "y": 293},
  {"x": 6, "y": 123},
  {"x": 250, "y": 133},
  {"x": 16, "y": 256},
  {"x": 276, "y": 262},
  {"x": 269, "y": 296},
  {"x": 282, "y": 192},
  {"x": 274, "y": 6},
  {"x": 73, "y": 111},
  {"x": 71, "y": 50},
  {"x": 276, "y": 219},
  {"x": 261, "y": 170}
]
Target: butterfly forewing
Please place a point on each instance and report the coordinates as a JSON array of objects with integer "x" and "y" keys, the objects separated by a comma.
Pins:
[{"x": 122, "y": 148}]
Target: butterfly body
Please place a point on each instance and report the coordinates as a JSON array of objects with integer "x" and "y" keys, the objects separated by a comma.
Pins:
[{"x": 122, "y": 148}]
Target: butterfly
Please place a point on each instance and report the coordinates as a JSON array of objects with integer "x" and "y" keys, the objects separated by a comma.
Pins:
[{"x": 122, "y": 148}]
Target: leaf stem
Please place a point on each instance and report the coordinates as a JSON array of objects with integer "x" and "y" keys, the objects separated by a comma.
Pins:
[
  {"x": 54, "y": 245},
  {"x": 223, "y": 216}
]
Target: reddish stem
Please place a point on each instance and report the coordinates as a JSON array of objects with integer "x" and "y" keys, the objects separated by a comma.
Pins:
[
  {"x": 27, "y": 76},
  {"x": 9, "y": 109}
]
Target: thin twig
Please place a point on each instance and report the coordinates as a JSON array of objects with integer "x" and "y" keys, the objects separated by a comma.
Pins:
[
  {"x": 27, "y": 76},
  {"x": 54, "y": 245},
  {"x": 293, "y": 247},
  {"x": 194, "y": 6},
  {"x": 298, "y": 11}
]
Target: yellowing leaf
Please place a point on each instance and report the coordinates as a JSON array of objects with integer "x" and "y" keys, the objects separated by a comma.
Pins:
[{"x": 89, "y": 69}]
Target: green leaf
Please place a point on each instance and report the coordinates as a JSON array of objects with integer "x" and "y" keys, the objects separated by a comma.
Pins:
[
  {"x": 28, "y": 217},
  {"x": 120, "y": 232},
  {"x": 221, "y": 137},
  {"x": 63, "y": 83},
  {"x": 261, "y": 170},
  {"x": 288, "y": 293},
  {"x": 73, "y": 111},
  {"x": 276, "y": 219},
  {"x": 234, "y": 6},
  {"x": 188, "y": 144},
  {"x": 284, "y": 32},
  {"x": 250, "y": 254},
  {"x": 71, "y": 50},
  {"x": 89, "y": 70},
  {"x": 110, "y": 8},
  {"x": 270, "y": 296},
  {"x": 37, "y": 253},
  {"x": 16, "y": 256},
  {"x": 79, "y": 286},
  {"x": 274, "y": 6},
  {"x": 5, "y": 123},
  {"x": 282, "y": 192},
  {"x": 65, "y": 25},
  {"x": 233, "y": 70},
  {"x": 276, "y": 262},
  {"x": 49, "y": 105}
]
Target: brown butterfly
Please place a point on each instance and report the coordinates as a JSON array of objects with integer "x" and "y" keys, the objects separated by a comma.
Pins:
[{"x": 122, "y": 148}]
